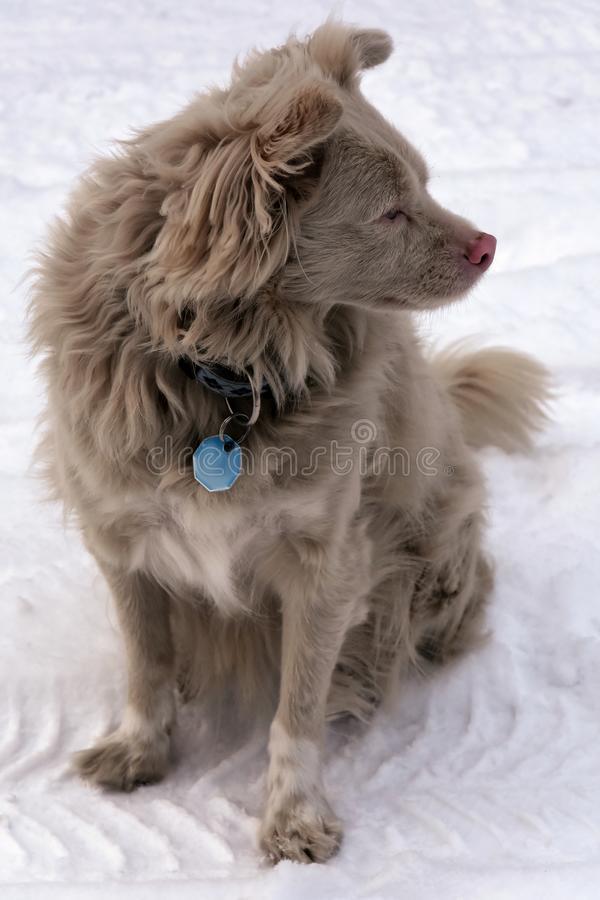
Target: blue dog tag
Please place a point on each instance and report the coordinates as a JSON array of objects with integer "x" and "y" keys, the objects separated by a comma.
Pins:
[{"x": 217, "y": 463}]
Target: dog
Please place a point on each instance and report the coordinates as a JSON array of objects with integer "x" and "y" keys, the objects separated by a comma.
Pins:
[{"x": 243, "y": 278}]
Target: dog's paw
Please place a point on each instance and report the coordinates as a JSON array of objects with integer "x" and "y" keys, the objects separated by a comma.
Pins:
[
  {"x": 304, "y": 832},
  {"x": 124, "y": 762}
]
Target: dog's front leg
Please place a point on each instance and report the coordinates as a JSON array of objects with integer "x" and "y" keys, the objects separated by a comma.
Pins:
[
  {"x": 322, "y": 595},
  {"x": 137, "y": 752}
]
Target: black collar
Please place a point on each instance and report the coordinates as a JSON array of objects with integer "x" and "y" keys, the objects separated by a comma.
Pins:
[{"x": 220, "y": 379}]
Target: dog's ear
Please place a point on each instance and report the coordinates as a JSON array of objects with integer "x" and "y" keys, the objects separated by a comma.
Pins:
[
  {"x": 227, "y": 227},
  {"x": 283, "y": 147},
  {"x": 342, "y": 52},
  {"x": 373, "y": 46}
]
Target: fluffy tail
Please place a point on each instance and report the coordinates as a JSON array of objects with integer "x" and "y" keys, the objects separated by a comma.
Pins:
[{"x": 502, "y": 395}]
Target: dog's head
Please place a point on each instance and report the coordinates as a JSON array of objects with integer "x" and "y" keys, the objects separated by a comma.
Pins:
[
  {"x": 290, "y": 175},
  {"x": 373, "y": 235}
]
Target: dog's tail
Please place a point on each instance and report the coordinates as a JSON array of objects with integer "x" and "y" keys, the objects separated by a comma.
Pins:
[{"x": 502, "y": 395}]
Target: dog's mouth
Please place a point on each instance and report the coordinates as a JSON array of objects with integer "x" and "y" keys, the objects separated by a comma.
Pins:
[{"x": 463, "y": 270}]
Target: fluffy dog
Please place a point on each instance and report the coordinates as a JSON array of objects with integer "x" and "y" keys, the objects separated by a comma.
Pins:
[{"x": 282, "y": 230}]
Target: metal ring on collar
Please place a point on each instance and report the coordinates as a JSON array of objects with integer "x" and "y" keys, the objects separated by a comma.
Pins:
[
  {"x": 239, "y": 419},
  {"x": 251, "y": 420}
]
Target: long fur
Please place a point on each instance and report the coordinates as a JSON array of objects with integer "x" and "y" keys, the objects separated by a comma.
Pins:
[
  {"x": 251, "y": 229},
  {"x": 502, "y": 395}
]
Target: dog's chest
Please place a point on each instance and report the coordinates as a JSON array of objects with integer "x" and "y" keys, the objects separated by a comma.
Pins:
[
  {"x": 224, "y": 552},
  {"x": 198, "y": 551}
]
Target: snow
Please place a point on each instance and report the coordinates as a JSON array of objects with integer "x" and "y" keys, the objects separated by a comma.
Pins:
[{"x": 482, "y": 783}]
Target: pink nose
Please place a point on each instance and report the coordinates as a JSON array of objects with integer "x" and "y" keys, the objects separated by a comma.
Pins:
[{"x": 480, "y": 252}]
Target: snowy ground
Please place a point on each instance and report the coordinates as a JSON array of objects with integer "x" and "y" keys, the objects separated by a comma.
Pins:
[{"x": 484, "y": 783}]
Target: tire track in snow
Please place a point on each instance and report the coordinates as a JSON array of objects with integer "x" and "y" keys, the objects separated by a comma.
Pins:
[
  {"x": 149, "y": 846},
  {"x": 39, "y": 844},
  {"x": 93, "y": 846},
  {"x": 45, "y": 746},
  {"x": 12, "y": 728},
  {"x": 185, "y": 829}
]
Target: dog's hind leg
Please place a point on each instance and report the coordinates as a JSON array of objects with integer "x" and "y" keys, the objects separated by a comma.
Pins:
[
  {"x": 448, "y": 606},
  {"x": 428, "y": 612},
  {"x": 137, "y": 752},
  {"x": 378, "y": 651}
]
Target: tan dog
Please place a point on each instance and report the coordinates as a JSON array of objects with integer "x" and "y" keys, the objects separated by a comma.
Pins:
[{"x": 280, "y": 228}]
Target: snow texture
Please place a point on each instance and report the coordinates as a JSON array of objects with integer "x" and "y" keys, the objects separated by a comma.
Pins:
[{"x": 483, "y": 783}]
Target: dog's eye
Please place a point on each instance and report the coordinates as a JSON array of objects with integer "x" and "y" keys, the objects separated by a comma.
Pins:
[{"x": 393, "y": 214}]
